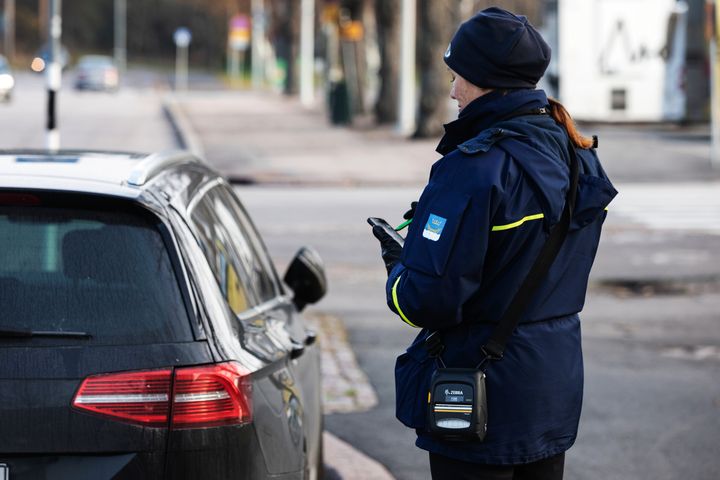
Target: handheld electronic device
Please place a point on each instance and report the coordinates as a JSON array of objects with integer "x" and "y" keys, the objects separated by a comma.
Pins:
[
  {"x": 379, "y": 222},
  {"x": 457, "y": 404}
]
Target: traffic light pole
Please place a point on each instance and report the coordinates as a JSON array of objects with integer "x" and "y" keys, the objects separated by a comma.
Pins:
[{"x": 53, "y": 75}]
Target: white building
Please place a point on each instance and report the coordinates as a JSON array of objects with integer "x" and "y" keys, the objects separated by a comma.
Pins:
[{"x": 623, "y": 60}]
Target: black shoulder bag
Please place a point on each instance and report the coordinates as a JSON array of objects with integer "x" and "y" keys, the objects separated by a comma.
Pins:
[{"x": 457, "y": 403}]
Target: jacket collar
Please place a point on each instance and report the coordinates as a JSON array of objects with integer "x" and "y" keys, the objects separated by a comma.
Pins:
[{"x": 484, "y": 112}]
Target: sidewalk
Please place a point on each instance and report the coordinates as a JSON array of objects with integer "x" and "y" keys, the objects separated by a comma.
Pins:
[{"x": 264, "y": 138}]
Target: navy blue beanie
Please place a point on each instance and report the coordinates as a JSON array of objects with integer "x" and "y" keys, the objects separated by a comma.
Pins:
[{"x": 496, "y": 49}]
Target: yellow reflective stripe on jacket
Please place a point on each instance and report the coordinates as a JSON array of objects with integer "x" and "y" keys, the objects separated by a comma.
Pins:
[
  {"x": 500, "y": 228},
  {"x": 397, "y": 305}
]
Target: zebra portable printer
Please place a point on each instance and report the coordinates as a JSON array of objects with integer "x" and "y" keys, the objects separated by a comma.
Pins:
[{"x": 457, "y": 405}]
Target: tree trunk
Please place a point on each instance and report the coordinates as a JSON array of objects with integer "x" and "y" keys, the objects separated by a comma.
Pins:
[
  {"x": 530, "y": 8},
  {"x": 352, "y": 51},
  {"x": 285, "y": 16},
  {"x": 293, "y": 28},
  {"x": 387, "y": 13},
  {"x": 438, "y": 21}
]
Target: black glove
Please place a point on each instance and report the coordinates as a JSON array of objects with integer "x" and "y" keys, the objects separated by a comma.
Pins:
[
  {"x": 390, "y": 249},
  {"x": 410, "y": 213}
]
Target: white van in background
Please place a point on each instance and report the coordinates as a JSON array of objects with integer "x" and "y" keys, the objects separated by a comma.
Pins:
[{"x": 623, "y": 60}]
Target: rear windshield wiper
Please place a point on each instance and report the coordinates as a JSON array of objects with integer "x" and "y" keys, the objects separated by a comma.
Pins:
[{"x": 13, "y": 333}]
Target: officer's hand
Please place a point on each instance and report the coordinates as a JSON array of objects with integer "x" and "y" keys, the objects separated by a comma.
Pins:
[
  {"x": 390, "y": 249},
  {"x": 410, "y": 213}
]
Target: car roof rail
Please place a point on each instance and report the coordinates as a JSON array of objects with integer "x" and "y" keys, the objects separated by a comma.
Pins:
[{"x": 157, "y": 162}]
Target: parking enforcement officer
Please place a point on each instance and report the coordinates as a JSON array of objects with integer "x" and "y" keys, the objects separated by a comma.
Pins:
[{"x": 479, "y": 225}]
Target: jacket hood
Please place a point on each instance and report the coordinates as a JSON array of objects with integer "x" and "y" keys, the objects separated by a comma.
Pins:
[{"x": 542, "y": 149}]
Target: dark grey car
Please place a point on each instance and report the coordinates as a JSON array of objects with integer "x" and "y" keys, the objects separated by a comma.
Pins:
[{"x": 144, "y": 332}]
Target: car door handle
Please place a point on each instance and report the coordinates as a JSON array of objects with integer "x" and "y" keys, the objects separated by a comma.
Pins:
[
  {"x": 311, "y": 337},
  {"x": 297, "y": 350}
]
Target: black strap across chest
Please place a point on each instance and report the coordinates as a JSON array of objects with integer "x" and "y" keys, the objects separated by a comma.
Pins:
[{"x": 494, "y": 348}]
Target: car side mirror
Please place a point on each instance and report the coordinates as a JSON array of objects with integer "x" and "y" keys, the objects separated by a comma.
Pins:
[{"x": 306, "y": 277}]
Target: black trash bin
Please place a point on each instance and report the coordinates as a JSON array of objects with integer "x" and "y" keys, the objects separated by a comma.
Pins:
[{"x": 339, "y": 104}]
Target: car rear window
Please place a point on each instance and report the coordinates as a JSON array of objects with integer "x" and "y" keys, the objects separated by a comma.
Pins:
[{"x": 107, "y": 273}]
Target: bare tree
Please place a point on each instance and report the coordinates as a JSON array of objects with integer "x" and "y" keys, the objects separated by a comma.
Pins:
[
  {"x": 352, "y": 47},
  {"x": 285, "y": 33},
  {"x": 438, "y": 20},
  {"x": 387, "y": 14}
]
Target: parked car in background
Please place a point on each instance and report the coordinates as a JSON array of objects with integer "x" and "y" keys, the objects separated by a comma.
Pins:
[
  {"x": 7, "y": 81},
  {"x": 96, "y": 72},
  {"x": 144, "y": 332}
]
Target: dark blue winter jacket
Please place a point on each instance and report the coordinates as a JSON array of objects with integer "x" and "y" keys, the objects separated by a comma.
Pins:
[{"x": 478, "y": 227}]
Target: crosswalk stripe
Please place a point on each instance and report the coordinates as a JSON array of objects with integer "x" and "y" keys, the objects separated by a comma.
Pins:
[{"x": 693, "y": 207}]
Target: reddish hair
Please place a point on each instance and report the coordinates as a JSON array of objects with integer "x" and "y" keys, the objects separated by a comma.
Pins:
[{"x": 563, "y": 118}]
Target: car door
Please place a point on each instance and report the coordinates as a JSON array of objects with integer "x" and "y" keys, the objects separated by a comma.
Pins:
[
  {"x": 248, "y": 283},
  {"x": 283, "y": 317}
]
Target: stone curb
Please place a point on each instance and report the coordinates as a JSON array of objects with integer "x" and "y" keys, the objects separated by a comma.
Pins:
[
  {"x": 346, "y": 387},
  {"x": 184, "y": 133}
]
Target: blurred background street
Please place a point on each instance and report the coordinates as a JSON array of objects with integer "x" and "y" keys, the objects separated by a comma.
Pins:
[{"x": 312, "y": 165}]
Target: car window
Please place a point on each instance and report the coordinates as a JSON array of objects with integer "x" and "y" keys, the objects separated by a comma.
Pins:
[
  {"x": 264, "y": 271},
  {"x": 107, "y": 273},
  {"x": 233, "y": 250},
  {"x": 229, "y": 265}
]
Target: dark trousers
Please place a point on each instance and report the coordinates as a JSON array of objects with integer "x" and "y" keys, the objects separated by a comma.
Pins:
[{"x": 444, "y": 468}]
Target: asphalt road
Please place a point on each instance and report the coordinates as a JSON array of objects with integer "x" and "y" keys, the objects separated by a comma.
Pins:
[{"x": 652, "y": 404}]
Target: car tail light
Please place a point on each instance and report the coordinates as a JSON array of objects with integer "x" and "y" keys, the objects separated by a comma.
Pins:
[
  {"x": 211, "y": 395},
  {"x": 135, "y": 397},
  {"x": 111, "y": 75},
  {"x": 203, "y": 396}
]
